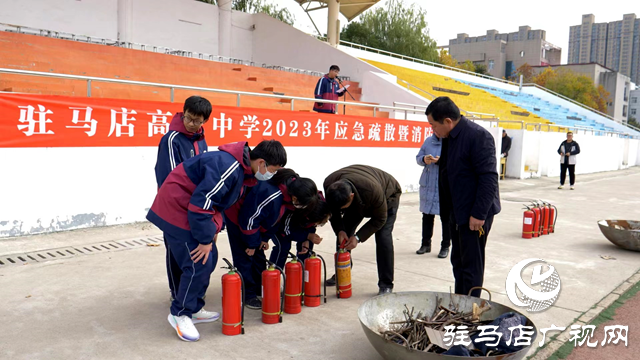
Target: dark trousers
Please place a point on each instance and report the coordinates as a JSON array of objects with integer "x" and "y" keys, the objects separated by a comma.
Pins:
[
  {"x": 384, "y": 244},
  {"x": 194, "y": 280},
  {"x": 427, "y": 230},
  {"x": 250, "y": 267},
  {"x": 282, "y": 248},
  {"x": 174, "y": 272},
  {"x": 563, "y": 174},
  {"x": 467, "y": 256}
]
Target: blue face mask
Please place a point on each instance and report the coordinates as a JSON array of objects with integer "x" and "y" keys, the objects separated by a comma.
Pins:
[{"x": 266, "y": 176}]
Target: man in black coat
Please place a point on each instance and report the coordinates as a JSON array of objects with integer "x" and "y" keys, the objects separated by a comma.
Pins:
[
  {"x": 506, "y": 143},
  {"x": 468, "y": 189}
]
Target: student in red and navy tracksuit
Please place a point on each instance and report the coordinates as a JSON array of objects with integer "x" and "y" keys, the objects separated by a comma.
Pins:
[
  {"x": 252, "y": 221},
  {"x": 184, "y": 140},
  {"x": 188, "y": 209},
  {"x": 328, "y": 89},
  {"x": 301, "y": 228}
]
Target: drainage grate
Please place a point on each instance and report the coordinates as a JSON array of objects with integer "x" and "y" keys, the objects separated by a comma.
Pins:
[{"x": 72, "y": 251}]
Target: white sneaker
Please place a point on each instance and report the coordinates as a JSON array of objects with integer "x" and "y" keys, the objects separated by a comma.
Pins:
[
  {"x": 572, "y": 188},
  {"x": 204, "y": 316},
  {"x": 560, "y": 187},
  {"x": 184, "y": 327}
]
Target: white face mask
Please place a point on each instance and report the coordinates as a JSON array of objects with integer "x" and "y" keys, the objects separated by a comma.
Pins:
[{"x": 266, "y": 176}]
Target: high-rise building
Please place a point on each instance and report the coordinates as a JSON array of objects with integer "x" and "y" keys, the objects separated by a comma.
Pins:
[
  {"x": 615, "y": 45},
  {"x": 634, "y": 105},
  {"x": 503, "y": 54}
]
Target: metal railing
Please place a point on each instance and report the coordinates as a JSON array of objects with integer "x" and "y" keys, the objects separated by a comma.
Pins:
[
  {"x": 154, "y": 48},
  {"x": 579, "y": 104},
  {"x": 90, "y": 80},
  {"x": 421, "y": 61},
  {"x": 550, "y": 127}
]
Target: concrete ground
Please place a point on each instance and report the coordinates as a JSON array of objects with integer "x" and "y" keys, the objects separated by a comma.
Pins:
[{"x": 114, "y": 305}]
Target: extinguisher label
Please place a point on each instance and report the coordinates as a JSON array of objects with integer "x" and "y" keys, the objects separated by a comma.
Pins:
[
  {"x": 528, "y": 221},
  {"x": 306, "y": 276}
]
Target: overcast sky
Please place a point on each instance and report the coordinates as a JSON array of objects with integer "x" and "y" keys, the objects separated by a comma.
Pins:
[{"x": 448, "y": 18}]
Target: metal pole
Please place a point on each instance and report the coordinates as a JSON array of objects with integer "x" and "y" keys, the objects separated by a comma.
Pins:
[
  {"x": 238, "y": 101},
  {"x": 333, "y": 23},
  {"x": 292, "y": 104},
  {"x": 88, "y": 88},
  {"x": 374, "y": 112},
  {"x": 521, "y": 77},
  {"x": 171, "y": 94}
]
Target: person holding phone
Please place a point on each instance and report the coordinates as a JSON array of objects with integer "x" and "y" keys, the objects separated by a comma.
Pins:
[
  {"x": 428, "y": 157},
  {"x": 568, "y": 150}
]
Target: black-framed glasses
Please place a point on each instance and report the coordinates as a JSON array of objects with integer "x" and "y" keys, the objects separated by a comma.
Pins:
[{"x": 193, "y": 121}]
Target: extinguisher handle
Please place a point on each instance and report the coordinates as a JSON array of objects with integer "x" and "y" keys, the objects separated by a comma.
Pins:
[
  {"x": 229, "y": 265},
  {"x": 343, "y": 244}
]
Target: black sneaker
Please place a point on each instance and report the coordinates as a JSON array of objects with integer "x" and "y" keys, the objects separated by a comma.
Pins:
[
  {"x": 254, "y": 304},
  {"x": 331, "y": 281}
]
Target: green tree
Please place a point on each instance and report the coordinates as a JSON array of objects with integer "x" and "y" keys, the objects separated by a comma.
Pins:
[
  {"x": 467, "y": 65},
  {"x": 259, "y": 6},
  {"x": 445, "y": 58},
  {"x": 481, "y": 69},
  {"x": 633, "y": 122},
  {"x": 397, "y": 28},
  {"x": 527, "y": 73},
  {"x": 574, "y": 86}
]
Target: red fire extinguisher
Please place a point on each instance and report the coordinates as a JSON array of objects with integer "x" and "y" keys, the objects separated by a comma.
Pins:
[
  {"x": 232, "y": 301},
  {"x": 313, "y": 266},
  {"x": 553, "y": 217},
  {"x": 293, "y": 294},
  {"x": 528, "y": 223},
  {"x": 343, "y": 272},
  {"x": 536, "y": 223},
  {"x": 545, "y": 218},
  {"x": 272, "y": 299}
]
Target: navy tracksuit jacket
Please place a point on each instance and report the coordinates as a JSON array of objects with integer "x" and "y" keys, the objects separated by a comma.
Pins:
[
  {"x": 250, "y": 221},
  {"x": 287, "y": 232},
  {"x": 177, "y": 146}
]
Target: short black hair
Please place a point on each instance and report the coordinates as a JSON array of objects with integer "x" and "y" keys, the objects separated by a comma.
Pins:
[
  {"x": 304, "y": 189},
  {"x": 441, "y": 108},
  {"x": 338, "y": 194},
  {"x": 197, "y": 106},
  {"x": 270, "y": 151},
  {"x": 334, "y": 67},
  {"x": 569, "y": 132}
]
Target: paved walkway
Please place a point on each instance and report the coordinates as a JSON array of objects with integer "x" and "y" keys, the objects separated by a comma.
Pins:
[{"x": 113, "y": 305}]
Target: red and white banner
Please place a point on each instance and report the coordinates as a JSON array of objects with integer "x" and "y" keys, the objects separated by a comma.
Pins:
[{"x": 60, "y": 121}]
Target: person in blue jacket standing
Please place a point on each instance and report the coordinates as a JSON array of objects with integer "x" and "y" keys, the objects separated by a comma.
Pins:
[
  {"x": 428, "y": 157},
  {"x": 185, "y": 138},
  {"x": 328, "y": 89}
]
